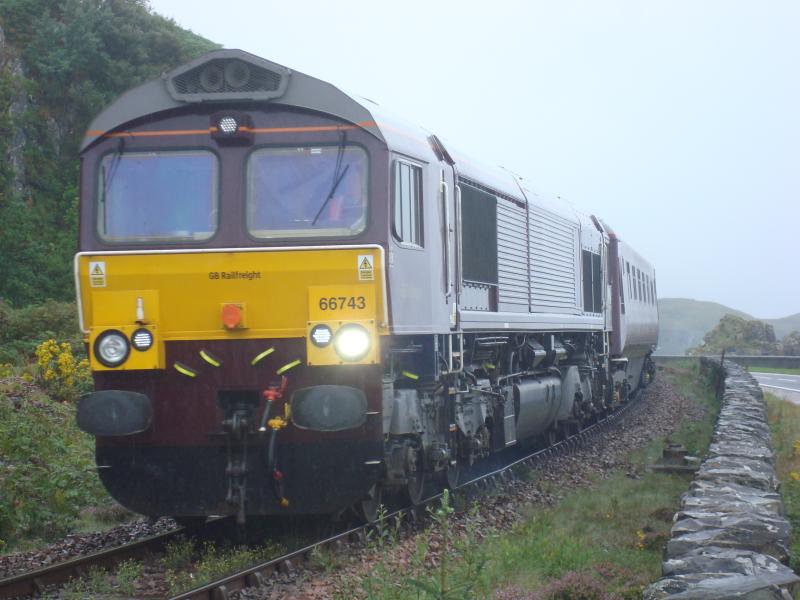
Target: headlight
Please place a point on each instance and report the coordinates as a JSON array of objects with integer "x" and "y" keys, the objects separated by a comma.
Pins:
[
  {"x": 321, "y": 335},
  {"x": 111, "y": 348},
  {"x": 351, "y": 342},
  {"x": 142, "y": 339}
]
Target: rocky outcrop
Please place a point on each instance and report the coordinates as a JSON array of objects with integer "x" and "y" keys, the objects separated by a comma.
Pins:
[
  {"x": 730, "y": 538},
  {"x": 15, "y": 106}
]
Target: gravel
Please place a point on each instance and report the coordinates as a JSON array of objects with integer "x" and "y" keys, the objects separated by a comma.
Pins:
[
  {"x": 81, "y": 544},
  {"x": 654, "y": 418}
]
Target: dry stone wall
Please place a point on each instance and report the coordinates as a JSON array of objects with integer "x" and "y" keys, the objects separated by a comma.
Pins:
[{"x": 730, "y": 538}]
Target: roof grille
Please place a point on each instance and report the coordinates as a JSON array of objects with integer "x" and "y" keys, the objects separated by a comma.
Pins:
[{"x": 221, "y": 79}]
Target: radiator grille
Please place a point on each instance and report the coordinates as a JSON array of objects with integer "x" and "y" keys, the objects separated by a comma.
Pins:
[
  {"x": 553, "y": 262},
  {"x": 512, "y": 257}
]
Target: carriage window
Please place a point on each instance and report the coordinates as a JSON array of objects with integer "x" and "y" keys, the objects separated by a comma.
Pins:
[
  {"x": 621, "y": 286},
  {"x": 149, "y": 196},
  {"x": 639, "y": 285},
  {"x": 307, "y": 191},
  {"x": 631, "y": 289},
  {"x": 408, "y": 203}
]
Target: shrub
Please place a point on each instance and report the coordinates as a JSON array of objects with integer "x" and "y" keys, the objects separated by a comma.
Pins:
[
  {"x": 23, "y": 329},
  {"x": 48, "y": 473},
  {"x": 58, "y": 371}
]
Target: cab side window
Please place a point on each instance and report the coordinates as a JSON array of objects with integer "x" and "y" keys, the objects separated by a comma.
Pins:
[{"x": 407, "y": 210}]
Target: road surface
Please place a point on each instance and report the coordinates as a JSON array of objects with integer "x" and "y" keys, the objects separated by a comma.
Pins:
[{"x": 784, "y": 386}]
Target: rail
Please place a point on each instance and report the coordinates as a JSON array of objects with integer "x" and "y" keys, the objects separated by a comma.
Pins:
[
  {"x": 257, "y": 575},
  {"x": 36, "y": 582}
]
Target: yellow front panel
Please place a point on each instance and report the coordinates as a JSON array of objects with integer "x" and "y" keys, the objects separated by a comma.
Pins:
[
  {"x": 152, "y": 358},
  {"x": 183, "y": 294}
]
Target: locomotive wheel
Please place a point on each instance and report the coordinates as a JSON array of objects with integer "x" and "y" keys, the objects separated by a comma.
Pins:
[
  {"x": 415, "y": 481},
  {"x": 452, "y": 475},
  {"x": 370, "y": 506},
  {"x": 551, "y": 437}
]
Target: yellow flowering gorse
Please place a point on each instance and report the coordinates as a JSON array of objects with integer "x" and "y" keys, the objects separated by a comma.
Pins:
[{"x": 64, "y": 377}]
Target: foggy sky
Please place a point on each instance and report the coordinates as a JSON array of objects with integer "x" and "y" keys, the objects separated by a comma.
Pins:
[{"x": 675, "y": 121}]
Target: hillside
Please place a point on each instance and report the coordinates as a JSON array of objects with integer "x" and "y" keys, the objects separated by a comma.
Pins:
[
  {"x": 60, "y": 64},
  {"x": 684, "y": 322},
  {"x": 784, "y": 325}
]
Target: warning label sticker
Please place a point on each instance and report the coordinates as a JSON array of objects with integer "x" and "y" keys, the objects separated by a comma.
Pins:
[
  {"x": 366, "y": 267},
  {"x": 97, "y": 274}
]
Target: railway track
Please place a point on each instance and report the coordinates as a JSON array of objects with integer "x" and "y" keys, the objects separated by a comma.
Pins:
[{"x": 37, "y": 582}]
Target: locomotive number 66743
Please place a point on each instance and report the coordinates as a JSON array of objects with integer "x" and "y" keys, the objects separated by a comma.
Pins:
[{"x": 296, "y": 302}]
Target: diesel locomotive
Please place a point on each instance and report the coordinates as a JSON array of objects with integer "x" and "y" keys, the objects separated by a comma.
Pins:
[{"x": 294, "y": 302}]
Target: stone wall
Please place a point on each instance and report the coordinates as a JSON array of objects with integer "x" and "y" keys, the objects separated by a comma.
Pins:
[{"x": 730, "y": 539}]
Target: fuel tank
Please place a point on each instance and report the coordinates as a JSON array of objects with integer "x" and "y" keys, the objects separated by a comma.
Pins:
[{"x": 537, "y": 403}]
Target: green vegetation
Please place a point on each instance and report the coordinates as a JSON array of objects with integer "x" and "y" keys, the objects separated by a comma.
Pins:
[
  {"x": 23, "y": 330},
  {"x": 214, "y": 563},
  {"x": 48, "y": 476},
  {"x": 784, "y": 422},
  {"x": 778, "y": 370},
  {"x": 100, "y": 583},
  {"x": 735, "y": 335},
  {"x": 64, "y": 61},
  {"x": 603, "y": 541},
  {"x": 684, "y": 322}
]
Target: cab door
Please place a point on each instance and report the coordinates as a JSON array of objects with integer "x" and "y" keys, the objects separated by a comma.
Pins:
[{"x": 449, "y": 215}]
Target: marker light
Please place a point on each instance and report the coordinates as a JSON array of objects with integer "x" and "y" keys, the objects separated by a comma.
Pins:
[
  {"x": 228, "y": 125},
  {"x": 321, "y": 335},
  {"x": 142, "y": 339},
  {"x": 111, "y": 348},
  {"x": 351, "y": 342}
]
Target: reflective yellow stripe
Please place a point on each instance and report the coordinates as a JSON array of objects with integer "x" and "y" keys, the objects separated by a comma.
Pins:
[
  {"x": 210, "y": 358},
  {"x": 410, "y": 375},
  {"x": 489, "y": 366},
  {"x": 285, "y": 368},
  {"x": 185, "y": 370},
  {"x": 262, "y": 356}
]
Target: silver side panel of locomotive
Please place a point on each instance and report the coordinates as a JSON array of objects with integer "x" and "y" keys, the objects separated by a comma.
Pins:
[
  {"x": 512, "y": 257},
  {"x": 554, "y": 262}
]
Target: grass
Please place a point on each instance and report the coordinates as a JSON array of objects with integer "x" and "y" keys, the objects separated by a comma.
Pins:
[
  {"x": 784, "y": 423},
  {"x": 778, "y": 370},
  {"x": 100, "y": 583},
  {"x": 213, "y": 563},
  {"x": 604, "y": 539},
  {"x": 48, "y": 479}
]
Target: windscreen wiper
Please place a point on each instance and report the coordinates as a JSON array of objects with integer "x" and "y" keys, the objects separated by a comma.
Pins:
[
  {"x": 108, "y": 176},
  {"x": 330, "y": 194},
  {"x": 337, "y": 176}
]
